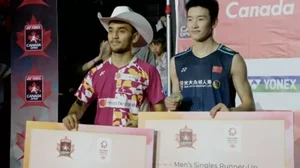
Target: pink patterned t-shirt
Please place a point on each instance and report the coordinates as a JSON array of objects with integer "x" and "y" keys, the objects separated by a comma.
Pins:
[{"x": 121, "y": 92}]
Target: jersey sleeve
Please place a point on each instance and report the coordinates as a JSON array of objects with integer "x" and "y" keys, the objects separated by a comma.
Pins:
[
  {"x": 155, "y": 90},
  {"x": 86, "y": 91}
]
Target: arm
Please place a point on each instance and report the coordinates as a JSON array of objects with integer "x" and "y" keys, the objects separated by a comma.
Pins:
[
  {"x": 241, "y": 84},
  {"x": 88, "y": 65},
  {"x": 174, "y": 78},
  {"x": 154, "y": 91},
  {"x": 160, "y": 107},
  {"x": 104, "y": 55},
  {"x": 85, "y": 95},
  {"x": 78, "y": 108}
]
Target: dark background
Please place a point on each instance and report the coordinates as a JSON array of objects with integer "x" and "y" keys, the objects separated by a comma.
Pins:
[{"x": 79, "y": 36}]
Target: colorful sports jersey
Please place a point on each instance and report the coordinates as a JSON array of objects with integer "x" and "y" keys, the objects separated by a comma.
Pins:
[
  {"x": 121, "y": 92},
  {"x": 205, "y": 82}
]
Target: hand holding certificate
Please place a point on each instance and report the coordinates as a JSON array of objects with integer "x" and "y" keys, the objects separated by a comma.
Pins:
[{"x": 91, "y": 146}]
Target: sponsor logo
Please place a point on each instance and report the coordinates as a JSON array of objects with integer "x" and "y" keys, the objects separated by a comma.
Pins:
[
  {"x": 275, "y": 83},
  {"x": 216, "y": 84},
  {"x": 116, "y": 103},
  {"x": 199, "y": 83}
]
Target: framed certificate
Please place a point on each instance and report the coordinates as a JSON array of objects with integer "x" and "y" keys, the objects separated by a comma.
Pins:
[
  {"x": 49, "y": 145},
  {"x": 241, "y": 140}
]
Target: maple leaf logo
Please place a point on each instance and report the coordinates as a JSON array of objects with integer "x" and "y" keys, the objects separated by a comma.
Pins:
[
  {"x": 31, "y": 2},
  {"x": 31, "y": 42},
  {"x": 186, "y": 138},
  {"x": 20, "y": 142},
  {"x": 35, "y": 95},
  {"x": 65, "y": 147}
]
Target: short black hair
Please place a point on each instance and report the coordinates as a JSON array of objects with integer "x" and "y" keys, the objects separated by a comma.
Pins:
[
  {"x": 211, "y": 5},
  {"x": 159, "y": 37}
]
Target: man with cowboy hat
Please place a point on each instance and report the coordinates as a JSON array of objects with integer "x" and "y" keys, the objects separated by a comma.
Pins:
[{"x": 124, "y": 84}]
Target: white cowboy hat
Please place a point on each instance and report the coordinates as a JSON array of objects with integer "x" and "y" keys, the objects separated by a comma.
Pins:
[{"x": 124, "y": 13}]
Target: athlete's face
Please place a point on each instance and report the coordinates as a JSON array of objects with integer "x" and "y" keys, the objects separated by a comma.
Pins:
[
  {"x": 199, "y": 23},
  {"x": 121, "y": 36}
]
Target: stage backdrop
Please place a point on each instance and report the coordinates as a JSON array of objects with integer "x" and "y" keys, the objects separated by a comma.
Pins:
[
  {"x": 266, "y": 33},
  {"x": 34, "y": 61}
]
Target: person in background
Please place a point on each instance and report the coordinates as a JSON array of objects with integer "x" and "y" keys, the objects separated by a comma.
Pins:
[
  {"x": 158, "y": 47},
  {"x": 123, "y": 84},
  {"x": 104, "y": 55},
  {"x": 161, "y": 23},
  {"x": 144, "y": 53},
  {"x": 208, "y": 75}
]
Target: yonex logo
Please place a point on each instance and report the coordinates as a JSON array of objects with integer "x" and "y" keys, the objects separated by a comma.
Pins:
[
  {"x": 183, "y": 69},
  {"x": 275, "y": 83}
]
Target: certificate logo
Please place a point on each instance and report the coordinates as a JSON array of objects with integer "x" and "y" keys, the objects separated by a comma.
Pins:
[
  {"x": 104, "y": 149},
  {"x": 232, "y": 135},
  {"x": 186, "y": 138},
  {"x": 65, "y": 148},
  {"x": 232, "y": 132},
  {"x": 232, "y": 139}
]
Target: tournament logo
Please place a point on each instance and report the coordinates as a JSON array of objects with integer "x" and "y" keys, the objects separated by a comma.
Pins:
[
  {"x": 186, "y": 138},
  {"x": 34, "y": 39},
  {"x": 274, "y": 83},
  {"x": 34, "y": 90},
  {"x": 65, "y": 148},
  {"x": 31, "y": 2}
]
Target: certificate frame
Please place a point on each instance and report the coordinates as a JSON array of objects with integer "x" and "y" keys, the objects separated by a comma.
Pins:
[
  {"x": 33, "y": 125},
  {"x": 288, "y": 117}
]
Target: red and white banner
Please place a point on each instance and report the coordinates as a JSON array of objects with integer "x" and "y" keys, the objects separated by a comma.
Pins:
[
  {"x": 267, "y": 34},
  {"x": 34, "y": 66},
  {"x": 257, "y": 29}
]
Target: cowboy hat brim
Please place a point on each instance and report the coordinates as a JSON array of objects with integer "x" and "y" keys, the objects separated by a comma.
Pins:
[{"x": 137, "y": 21}]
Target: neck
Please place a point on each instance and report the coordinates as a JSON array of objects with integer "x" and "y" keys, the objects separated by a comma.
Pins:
[
  {"x": 121, "y": 59},
  {"x": 158, "y": 57},
  {"x": 203, "y": 49},
  {"x": 133, "y": 49}
]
